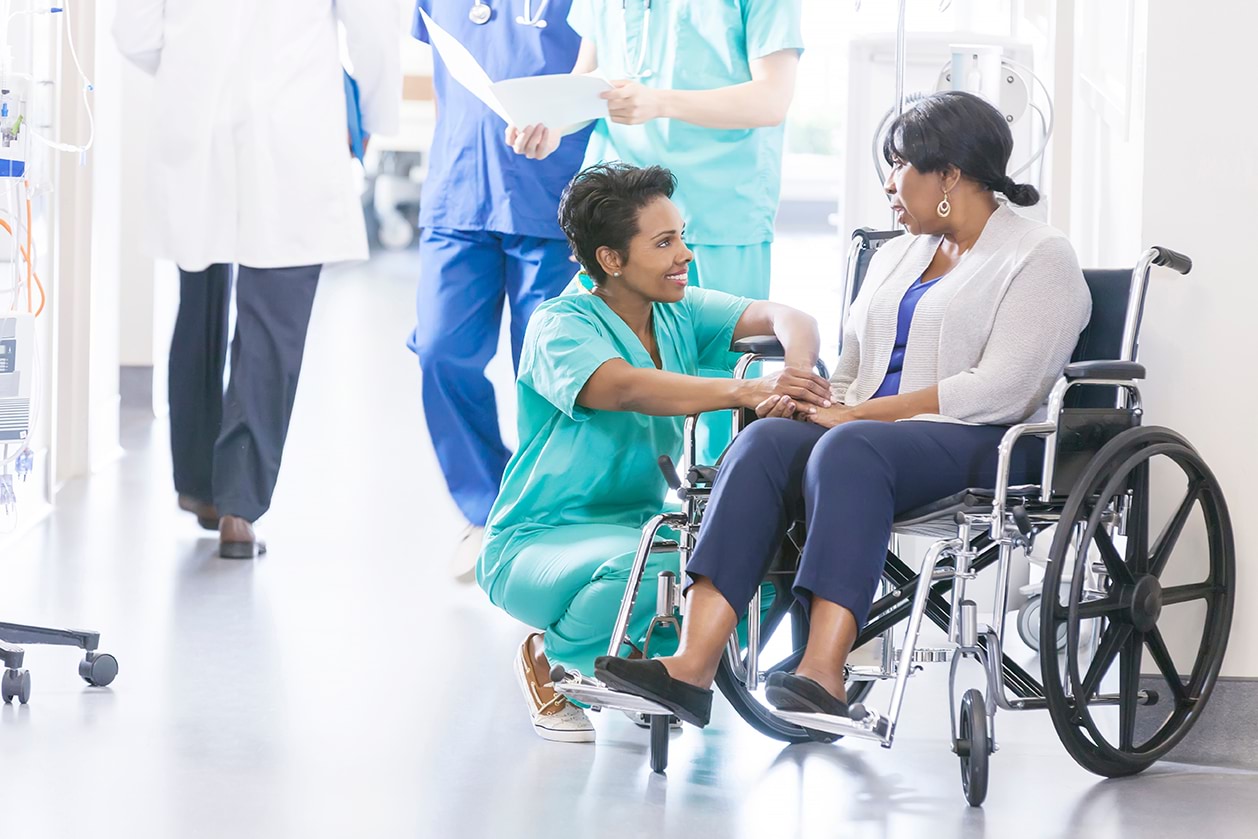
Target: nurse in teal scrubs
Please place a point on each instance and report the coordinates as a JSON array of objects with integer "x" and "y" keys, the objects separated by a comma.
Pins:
[
  {"x": 702, "y": 88},
  {"x": 608, "y": 370}
]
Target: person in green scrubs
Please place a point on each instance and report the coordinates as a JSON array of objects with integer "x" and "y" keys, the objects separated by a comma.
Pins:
[
  {"x": 702, "y": 88},
  {"x": 608, "y": 372}
]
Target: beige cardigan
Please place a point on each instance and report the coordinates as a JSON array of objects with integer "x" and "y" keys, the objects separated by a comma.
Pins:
[{"x": 994, "y": 334}]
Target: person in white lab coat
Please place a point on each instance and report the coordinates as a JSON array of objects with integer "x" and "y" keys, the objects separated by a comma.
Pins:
[{"x": 249, "y": 173}]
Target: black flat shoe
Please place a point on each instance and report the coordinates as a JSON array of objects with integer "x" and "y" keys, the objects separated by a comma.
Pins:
[
  {"x": 788, "y": 692},
  {"x": 650, "y": 680}
]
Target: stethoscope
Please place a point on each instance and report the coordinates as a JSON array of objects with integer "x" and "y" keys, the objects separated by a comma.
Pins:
[
  {"x": 637, "y": 69},
  {"x": 481, "y": 13}
]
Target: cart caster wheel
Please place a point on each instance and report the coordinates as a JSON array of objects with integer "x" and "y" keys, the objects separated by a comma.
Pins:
[
  {"x": 15, "y": 684},
  {"x": 659, "y": 743},
  {"x": 1029, "y": 625},
  {"x": 973, "y": 746},
  {"x": 98, "y": 669}
]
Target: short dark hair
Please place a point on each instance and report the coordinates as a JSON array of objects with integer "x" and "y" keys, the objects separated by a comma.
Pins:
[
  {"x": 954, "y": 128},
  {"x": 600, "y": 209}
]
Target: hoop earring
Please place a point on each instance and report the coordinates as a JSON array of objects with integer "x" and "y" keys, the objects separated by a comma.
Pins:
[{"x": 944, "y": 208}]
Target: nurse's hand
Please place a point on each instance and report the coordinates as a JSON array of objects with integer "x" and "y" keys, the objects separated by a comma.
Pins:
[
  {"x": 536, "y": 142},
  {"x": 804, "y": 387},
  {"x": 632, "y": 103}
]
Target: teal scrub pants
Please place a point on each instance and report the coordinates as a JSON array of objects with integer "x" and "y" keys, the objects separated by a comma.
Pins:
[
  {"x": 734, "y": 269},
  {"x": 569, "y": 582}
]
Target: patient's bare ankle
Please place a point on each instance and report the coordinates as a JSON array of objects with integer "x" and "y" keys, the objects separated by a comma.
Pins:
[{"x": 684, "y": 670}]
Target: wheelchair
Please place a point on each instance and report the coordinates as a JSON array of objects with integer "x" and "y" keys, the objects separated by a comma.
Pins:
[{"x": 1105, "y": 586}]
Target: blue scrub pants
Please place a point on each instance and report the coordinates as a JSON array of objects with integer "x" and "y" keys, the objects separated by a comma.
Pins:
[
  {"x": 848, "y": 484},
  {"x": 734, "y": 269},
  {"x": 466, "y": 276}
]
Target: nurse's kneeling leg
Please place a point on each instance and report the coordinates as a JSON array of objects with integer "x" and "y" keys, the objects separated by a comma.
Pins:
[{"x": 569, "y": 582}]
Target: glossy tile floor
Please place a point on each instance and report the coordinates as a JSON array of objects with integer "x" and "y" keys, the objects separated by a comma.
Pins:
[{"x": 340, "y": 686}]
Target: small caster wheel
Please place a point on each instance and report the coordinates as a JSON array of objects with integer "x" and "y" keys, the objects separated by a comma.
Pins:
[
  {"x": 98, "y": 669},
  {"x": 973, "y": 746},
  {"x": 15, "y": 684},
  {"x": 659, "y": 742},
  {"x": 1029, "y": 625}
]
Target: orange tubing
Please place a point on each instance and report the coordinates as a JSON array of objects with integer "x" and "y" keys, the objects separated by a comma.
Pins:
[{"x": 26, "y": 254}]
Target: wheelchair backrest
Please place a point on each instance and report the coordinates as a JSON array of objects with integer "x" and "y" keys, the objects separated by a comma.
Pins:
[{"x": 1102, "y": 338}]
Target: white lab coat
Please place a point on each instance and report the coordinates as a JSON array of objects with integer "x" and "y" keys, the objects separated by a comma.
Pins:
[{"x": 249, "y": 162}]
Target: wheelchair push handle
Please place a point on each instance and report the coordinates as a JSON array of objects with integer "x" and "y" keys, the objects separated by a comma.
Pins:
[
  {"x": 1174, "y": 260},
  {"x": 670, "y": 471}
]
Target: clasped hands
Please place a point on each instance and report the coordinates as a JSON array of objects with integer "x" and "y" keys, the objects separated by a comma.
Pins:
[{"x": 796, "y": 393}]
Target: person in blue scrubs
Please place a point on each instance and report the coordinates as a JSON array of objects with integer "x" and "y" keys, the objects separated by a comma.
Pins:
[
  {"x": 490, "y": 238},
  {"x": 702, "y": 88}
]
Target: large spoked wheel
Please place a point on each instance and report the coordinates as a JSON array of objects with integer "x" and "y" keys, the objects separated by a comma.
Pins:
[
  {"x": 1125, "y": 589},
  {"x": 783, "y": 633}
]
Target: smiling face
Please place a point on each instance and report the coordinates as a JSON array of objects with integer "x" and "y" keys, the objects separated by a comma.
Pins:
[
  {"x": 657, "y": 262},
  {"x": 915, "y": 196}
]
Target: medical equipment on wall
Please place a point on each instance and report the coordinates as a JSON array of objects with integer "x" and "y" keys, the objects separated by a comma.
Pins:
[
  {"x": 25, "y": 176},
  {"x": 982, "y": 69},
  {"x": 481, "y": 13},
  {"x": 884, "y": 69}
]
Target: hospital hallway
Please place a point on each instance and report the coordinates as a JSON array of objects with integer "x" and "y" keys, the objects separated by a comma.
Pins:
[{"x": 342, "y": 685}]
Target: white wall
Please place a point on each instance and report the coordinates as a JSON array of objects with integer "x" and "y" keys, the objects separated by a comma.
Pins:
[{"x": 1200, "y": 172}]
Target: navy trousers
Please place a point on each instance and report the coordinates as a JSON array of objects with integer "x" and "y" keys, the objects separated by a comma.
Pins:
[
  {"x": 848, "y": 484},
  {"x": 226, "y": 446}
]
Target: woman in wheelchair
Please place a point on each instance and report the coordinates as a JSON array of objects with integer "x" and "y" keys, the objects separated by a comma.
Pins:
[
  {"x": 608, "y": 371},
  {"x": 959, "y": 330}
]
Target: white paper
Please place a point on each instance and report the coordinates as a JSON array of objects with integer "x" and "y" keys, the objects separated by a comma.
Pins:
[
  {"x": 556, "y": 101},
  {"x": 462, "y": 66}
]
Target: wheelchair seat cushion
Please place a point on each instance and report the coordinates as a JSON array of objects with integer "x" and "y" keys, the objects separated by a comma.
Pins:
[{"x": 938, "y": 518}]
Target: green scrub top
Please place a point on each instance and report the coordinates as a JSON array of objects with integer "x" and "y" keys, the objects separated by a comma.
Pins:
[
  {"x": 581, "y": 466},
  {"x": 728, "y": 180}
]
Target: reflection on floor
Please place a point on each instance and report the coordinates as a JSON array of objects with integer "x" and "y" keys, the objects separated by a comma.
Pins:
[{"x": 341, "y": 686}]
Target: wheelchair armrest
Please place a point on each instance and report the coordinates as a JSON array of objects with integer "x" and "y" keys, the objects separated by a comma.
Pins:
[
  {"x": 1113, "y": 370},
  {"x": 768, "y": 347},
  {"x": 765, "y": 345}
]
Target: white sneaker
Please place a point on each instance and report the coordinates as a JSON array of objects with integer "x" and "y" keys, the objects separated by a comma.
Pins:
[
  {"x": 463, "y": 563},
  {"x": 553, "y": 716}
]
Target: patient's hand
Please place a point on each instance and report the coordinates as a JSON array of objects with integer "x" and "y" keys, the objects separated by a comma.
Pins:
[
  {"x": 777, "y": 406},
  {"x": 830, "y": 417}
]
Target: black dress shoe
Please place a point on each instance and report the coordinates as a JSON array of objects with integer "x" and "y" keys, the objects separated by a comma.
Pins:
[
  {"x": 649, "y": 679},
  {"x": 206, "y": 513},
  {"x": 788, "y": 692},
  {"x": 236, "y": 539}
]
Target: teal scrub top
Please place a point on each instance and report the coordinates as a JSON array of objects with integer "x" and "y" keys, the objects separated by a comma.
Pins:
[
  {"x": 729, "y": 181},
  {"x": 581, "y": 466}
]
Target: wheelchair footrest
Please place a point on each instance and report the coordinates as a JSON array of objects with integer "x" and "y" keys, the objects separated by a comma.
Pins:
[
  {"x": 872, "y": 727},
  {"x": 597, "y": 695}
]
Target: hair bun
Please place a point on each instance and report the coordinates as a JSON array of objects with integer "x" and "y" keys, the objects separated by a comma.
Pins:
[{"x": 1024, "y": 195}]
